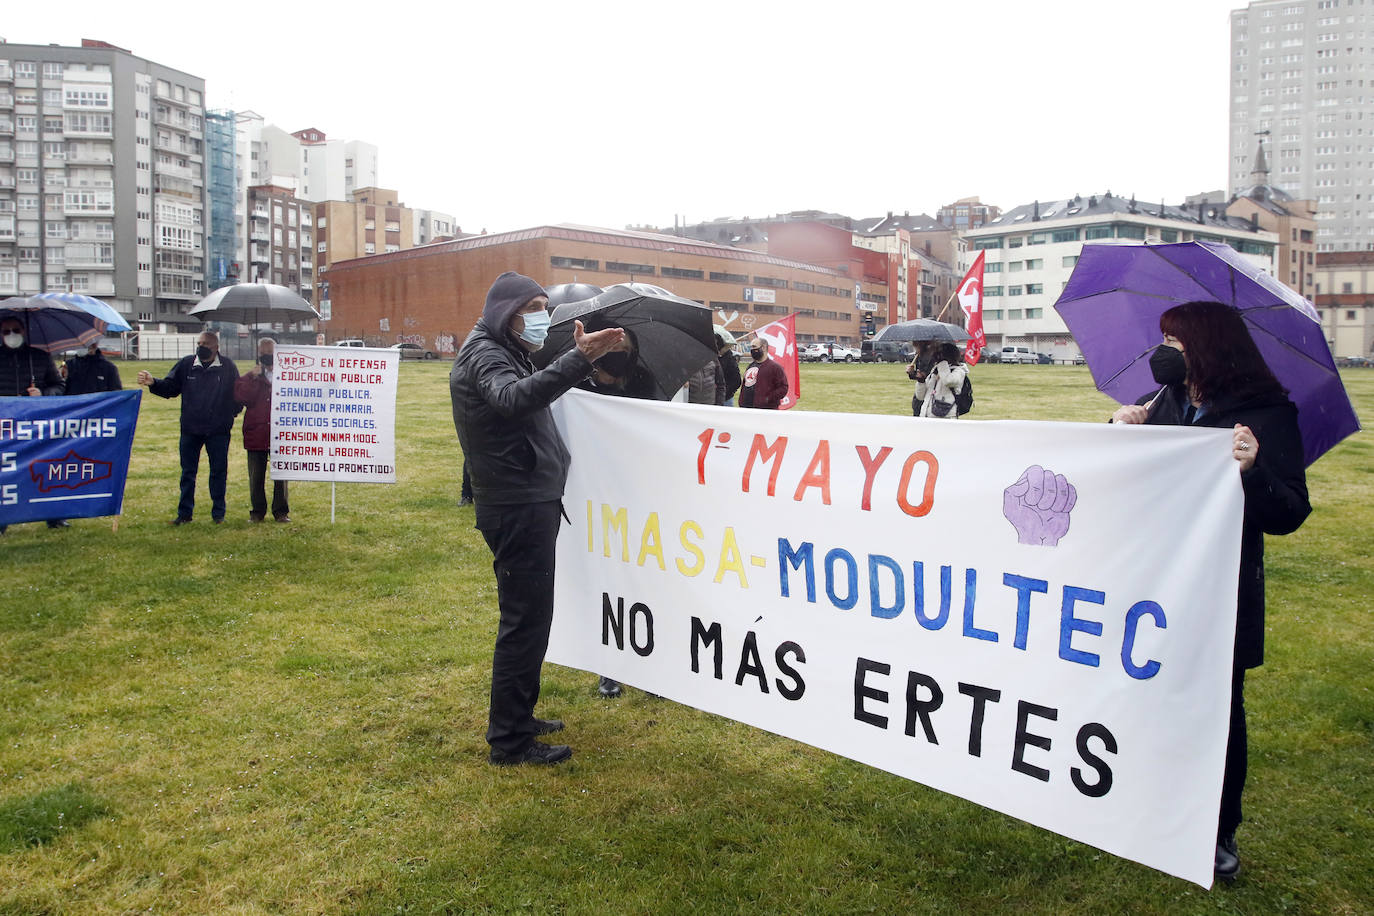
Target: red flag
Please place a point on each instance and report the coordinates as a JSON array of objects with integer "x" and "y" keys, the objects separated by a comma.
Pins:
[
  {"x": 970, "y": 295},
  {"x": 781, "y": 337}
]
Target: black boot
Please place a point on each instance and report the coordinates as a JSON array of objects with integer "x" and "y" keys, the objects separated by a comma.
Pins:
[{"x": 1227, "y": 863}]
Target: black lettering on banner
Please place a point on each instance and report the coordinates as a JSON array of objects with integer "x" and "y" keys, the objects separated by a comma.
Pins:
[
  {"x": 1104, "y": 772},
  {"x": 981, "y": 696},
  {"x": 795, "y": 690},
  {"x": 863, "y": 692},
  {"x": 703, "y": 635},
  {"x": 918, "y": 708},
  {"x": 750, "y": 663},
  {"x": 613, "y": 625},
  {"x": 1024, "y": 711},
  {"x": 641, "y": 618}
]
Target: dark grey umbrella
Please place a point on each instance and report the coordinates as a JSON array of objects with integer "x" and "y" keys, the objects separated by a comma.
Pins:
[
  {"x": 570, "y": 292},
  {"x": 924, "y": 329},
  {"x": 674, "y": 335},
  {"x": 254, "y": 303}
]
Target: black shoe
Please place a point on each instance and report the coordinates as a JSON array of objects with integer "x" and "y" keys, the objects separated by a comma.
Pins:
[
  {"x": 608, "y": 688},
  {"x": 181, "y": 520},
  {"x": 282, "y": 519},
  {"x": 59, "y": 523},
  {"x": 254, "y": 517},
  {"x": 465, "y": 501},
  {"x": 218, "y": 521},
  {"x": 1227, "y": 862},
  {"x": 537, "y": 753},
  {"x": 547, "y": 726}
]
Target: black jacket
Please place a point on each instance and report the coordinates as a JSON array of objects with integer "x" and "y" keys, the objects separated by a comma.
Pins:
[
  {"x": 1275, "y": 494},
  {"x": 87, "y": 374},
  {"x": 513, "y": 451},
  {"x": 28, "y": 364},
  {"x": 729, "y": 365},
  {"x": 207, "y": 394}
]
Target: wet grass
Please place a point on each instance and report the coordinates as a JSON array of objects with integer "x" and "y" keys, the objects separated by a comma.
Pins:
[{"x": 288, "y": 719}]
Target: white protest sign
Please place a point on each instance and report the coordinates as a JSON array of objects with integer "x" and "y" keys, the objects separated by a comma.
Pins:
[
  {"x": 334, "y": 414},
  {"x": 1037, "y": 617}
]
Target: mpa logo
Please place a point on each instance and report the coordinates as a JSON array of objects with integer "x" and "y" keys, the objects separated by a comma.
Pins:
[
  {"x": 70, "y": 472},
  {"x": 290, "y": 359}
]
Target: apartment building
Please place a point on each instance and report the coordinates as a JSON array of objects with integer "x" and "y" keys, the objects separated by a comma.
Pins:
[
  {"x": 281, "y": 240},
  {"x": 370, "y": 221},
  {"x": 433, "y": 226},
  {"x": 1298, "y": 78},
  {"x": 1345, "y": 301},
  {"x": 1031, "y": 252},
  {"x": 102, "y": 178}
]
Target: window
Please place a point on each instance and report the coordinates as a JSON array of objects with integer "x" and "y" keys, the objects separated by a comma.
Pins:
[
  {"x": 1097, "y": 232},
  {"x": 721, "y": 277},
  {"x": 1035, "y": 263},
  {"x": 1065, "y": 235},
  {"x": 1035, "y": 313},
  {"x": 1033, "y": 289},
  {"x": 992, "y": 291},
  {"x": 1016, "y": 242},
  {"x": 1350, "y": 315},
  {"x": 1014, "y": 314},
  {"x": 770, "y": 281},
  {"x": 369, "y": 248},
  {"x": 623, "y": 267},
  {"x": 984, "y": 244},
  {"x": 682, "y": 273},
  {"x": 1130, "y": 232},
  {"x": 1069, "y": 260},
  {"x": 577, "y": 263},
  {"x": 25, "y": 70},
  {"x": 1014, "y": 290},
  {"x": 1015, "y": 266},
  {"x": 1168, "y": 235}
]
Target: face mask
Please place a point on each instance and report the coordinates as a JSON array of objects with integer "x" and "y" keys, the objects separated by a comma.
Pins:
[
  {"x": 617, "y": 363},
  {"x": 1167, "y": 365},
  {"x": 536, "y": 328},
  {"x": 204, "y": 354},
  {"x": 14, "y": 340},
  {"x": 757, "y": 354},
  {"x": 266, "y": 360}
]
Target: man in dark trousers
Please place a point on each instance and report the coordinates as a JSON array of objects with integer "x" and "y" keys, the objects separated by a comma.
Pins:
[
  {"x": 765, "y": 384},
  {"x": 254, "y": 391},
  {"x": 26, "y": 371},
  {"x": 518, "y": 465},
  {"x": 205, "y": 384},
  {"x": 91, "y": 372}
]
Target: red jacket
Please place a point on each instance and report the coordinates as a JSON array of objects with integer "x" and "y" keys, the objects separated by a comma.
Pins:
[{"x": 254, "y": 392}]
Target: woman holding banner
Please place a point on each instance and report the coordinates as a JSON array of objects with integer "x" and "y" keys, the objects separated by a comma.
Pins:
[{"x": 1213, "y": 375}]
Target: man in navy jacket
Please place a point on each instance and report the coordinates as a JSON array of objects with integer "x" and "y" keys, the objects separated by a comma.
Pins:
[{"x": 205, "y": 384}]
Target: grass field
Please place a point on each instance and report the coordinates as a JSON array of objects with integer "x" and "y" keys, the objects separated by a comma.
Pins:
[{"x": 256, "y": 719}]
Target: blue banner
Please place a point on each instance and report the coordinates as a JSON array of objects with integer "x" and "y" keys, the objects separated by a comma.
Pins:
[{"x": 65, "y": 457}]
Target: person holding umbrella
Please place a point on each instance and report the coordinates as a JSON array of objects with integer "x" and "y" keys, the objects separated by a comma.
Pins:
[
  {"x": 90, "y": 372},
  {"x": 518, "y": 464},
  {"x": 940, "y": 375},
  {"x": 26, "y": 371},
  {"x": 1212, "y": 374}
]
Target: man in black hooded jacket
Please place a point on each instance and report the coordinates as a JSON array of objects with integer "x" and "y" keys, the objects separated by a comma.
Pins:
[{"x": 518, "y": 465}]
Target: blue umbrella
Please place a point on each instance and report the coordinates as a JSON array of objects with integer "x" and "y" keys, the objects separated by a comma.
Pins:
[
  {"x": 61, "y": 321},
  {"x": 1116, "y": 294}
]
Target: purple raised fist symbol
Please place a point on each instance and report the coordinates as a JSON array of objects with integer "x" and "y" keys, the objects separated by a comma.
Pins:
[{"x": 1038, "y": 506}]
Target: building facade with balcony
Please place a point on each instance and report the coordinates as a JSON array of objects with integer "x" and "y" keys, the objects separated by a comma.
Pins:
[
  {"x": 281, "y": 240},
  {"x": 370, "y": 221},
  {"x": 1031, "y": 252},
  {"x": 102, "y": 185},
  {"x": 222, "y": 265}
]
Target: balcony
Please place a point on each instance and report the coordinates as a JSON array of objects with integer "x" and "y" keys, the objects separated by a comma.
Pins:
[
  {"x": 260, "y": 235},
  {"x": 80, "y": 156},
  {"x": 6, "y": 74}
]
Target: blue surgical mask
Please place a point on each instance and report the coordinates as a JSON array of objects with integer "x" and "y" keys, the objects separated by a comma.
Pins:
[{"x": 536, "y": 328}]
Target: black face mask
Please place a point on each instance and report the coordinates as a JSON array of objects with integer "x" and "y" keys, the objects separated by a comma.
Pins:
[
  {"x": 204, "y": 354},
  {"x": 616, "y": 363},
  {"x": 757, "y": 354},
  {"x": 1167, "y": 365},
  {"x": 266, "y": 360}
]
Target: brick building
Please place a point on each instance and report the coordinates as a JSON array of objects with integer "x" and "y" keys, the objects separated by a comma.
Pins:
[
  {"x": 434, "y": 295},
  {"x": 371, "y": 221}
]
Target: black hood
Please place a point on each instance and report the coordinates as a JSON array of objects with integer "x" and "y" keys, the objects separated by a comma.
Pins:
[{"x": 509, "y": 293}]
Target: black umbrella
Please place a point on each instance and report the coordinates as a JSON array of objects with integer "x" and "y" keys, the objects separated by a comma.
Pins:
[
  {"x": 254, "y": 303},
  {"x": 924, "y": 329},
  {"x": 674, "y": 335},
  {"x": 570, "y": 292}
]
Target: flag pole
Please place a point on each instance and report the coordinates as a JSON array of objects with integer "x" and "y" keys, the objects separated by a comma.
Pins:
[{"x": 948, "y": 302}]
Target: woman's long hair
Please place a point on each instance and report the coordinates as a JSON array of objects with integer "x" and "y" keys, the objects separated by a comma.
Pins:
[{"x": 1223, "y": 360}]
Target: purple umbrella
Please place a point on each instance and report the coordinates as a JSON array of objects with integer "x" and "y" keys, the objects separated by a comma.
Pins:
[{"x": 1113, "y": 301}]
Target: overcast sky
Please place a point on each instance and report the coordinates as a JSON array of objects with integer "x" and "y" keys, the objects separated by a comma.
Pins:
[{"x": 509, "y": 115}]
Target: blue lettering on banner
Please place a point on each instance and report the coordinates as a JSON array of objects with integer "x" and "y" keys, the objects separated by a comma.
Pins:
[
  {"x": 1138, "y": 610},
  {"x": 65, "y": 457}
]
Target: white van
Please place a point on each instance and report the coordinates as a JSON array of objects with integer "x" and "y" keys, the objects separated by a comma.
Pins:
[
  {"x": 353, "y": 342},
  {"x": 1019, "y": 355}
]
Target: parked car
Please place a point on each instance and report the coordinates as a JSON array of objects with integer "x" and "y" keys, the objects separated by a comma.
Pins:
[
  {"x": 989, "y": 355},
  {"x": 885, "y": 351},
  {"x": 352, "y": 342},
  {"x": 828, "y": 352},
  {"x": 1044, "y": 359},
  {"x": 1019, "y": 355},
  {"x": 414, "y": 351},
  {"x": 814, "y": 353}
]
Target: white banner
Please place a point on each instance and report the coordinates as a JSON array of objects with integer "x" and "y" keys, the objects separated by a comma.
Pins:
[
  {"x": 334, "y": 414},
  {"x": 1037, "y": 617}
]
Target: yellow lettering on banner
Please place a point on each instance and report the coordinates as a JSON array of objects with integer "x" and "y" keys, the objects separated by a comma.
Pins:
[
  {"x": 730, "y": 559},
  {"x": 651, "y": 542},
  {"x": 700, "y": 564},
  {"x": 615, "y": 521}
]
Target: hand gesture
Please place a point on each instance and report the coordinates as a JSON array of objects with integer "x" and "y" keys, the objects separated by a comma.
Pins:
[
  {"x": 1244, "y": 446},
  {"x": 598, "y": 343},
  {"x": 33, "y": 391},
  {"x": 1130, "y": 413},
  {"x": 1038, "y": 506},
  {"x": 145, "y": 377}
]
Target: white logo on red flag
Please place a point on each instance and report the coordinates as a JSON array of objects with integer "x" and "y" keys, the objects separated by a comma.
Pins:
[
  {"x": 971, "y": 301},
  {"x": 781, "y": 337}
]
